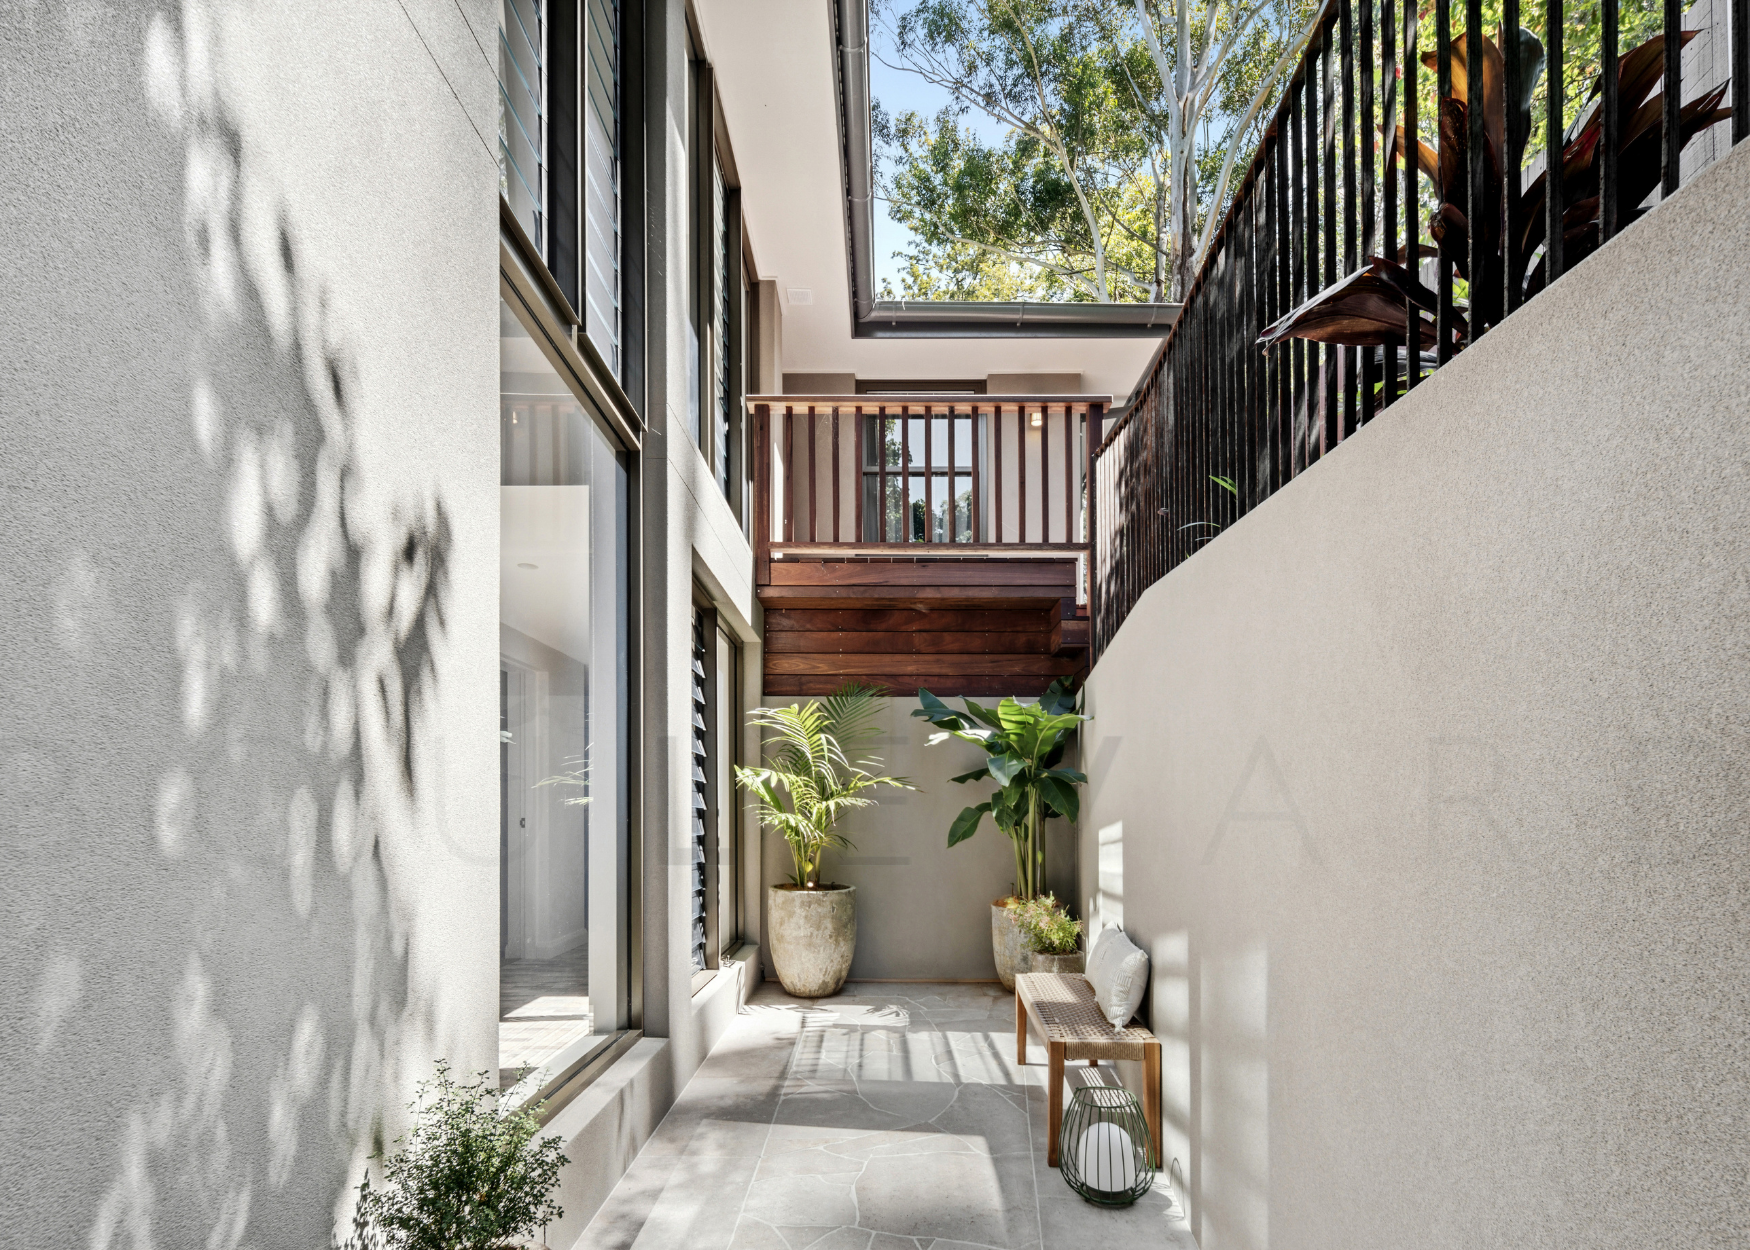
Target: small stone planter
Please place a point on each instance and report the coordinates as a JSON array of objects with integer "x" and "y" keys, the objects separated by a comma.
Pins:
[
  {"x": 1006, "y": 943},
  {"x": 1075, "y": 961},
  {"x": 813, "y": 934}
]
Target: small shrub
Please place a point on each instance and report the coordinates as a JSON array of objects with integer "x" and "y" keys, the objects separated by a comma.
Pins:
[
  {"x": 1046, "y": 927},
  {"x": 468, "y": 1176}
]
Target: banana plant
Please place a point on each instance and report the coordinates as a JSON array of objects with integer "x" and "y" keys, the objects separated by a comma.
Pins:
[{"x": 1025, "y": 744}]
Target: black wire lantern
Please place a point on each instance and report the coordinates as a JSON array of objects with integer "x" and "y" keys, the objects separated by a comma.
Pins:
[{"x": 1105, "y": 1151}]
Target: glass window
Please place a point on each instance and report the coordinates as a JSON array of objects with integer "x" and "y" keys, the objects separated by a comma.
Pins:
[
  {"x": 602, "y": 180},
  {"x": 695, "y": 233},
  {"x": 719, "y": 328},
  {"x": 724, "y": 722},
  {"x": 715, "y": 920},
  {"x": 563, "y": 502},
  {"x": 703, "y": 790},
  {"x": 522, "y": 115}
]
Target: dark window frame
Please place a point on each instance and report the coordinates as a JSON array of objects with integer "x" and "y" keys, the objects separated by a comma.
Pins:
[{"x": 722, "y": 443}]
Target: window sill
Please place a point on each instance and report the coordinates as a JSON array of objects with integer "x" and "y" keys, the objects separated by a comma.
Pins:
[{"x": 569, "y": 1072}]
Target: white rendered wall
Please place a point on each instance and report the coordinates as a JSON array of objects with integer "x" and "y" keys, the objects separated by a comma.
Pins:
[
  {"x": 1424, "y": 785},
  {"x": 248, "y": 598}
]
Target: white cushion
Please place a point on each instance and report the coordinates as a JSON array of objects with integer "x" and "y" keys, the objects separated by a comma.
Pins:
[{"x": 1118, "y": 973}]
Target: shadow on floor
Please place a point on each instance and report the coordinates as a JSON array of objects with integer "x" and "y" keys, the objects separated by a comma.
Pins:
[{"x": 890, "y": 1117}]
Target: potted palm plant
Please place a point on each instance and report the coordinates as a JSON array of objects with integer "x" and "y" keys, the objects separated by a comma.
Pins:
[
  {"x": 1025, "y": 743},
  {"x": 815, "y": 772}
]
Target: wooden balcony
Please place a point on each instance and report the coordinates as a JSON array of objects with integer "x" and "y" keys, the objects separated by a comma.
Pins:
[{"x": 934, "y": 541}]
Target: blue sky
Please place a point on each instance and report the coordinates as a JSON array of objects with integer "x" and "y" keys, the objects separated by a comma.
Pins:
[{"x": 901, "y": 92}]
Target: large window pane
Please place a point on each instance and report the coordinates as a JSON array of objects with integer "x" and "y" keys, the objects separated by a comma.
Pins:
[{"x": 562, "y": 717}]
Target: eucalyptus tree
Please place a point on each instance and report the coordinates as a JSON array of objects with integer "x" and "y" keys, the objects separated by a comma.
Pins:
[{"x": 1121, "y": 124}]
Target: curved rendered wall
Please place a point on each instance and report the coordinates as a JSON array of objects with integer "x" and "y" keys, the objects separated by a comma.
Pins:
[{"x": 1425, "y": 785}]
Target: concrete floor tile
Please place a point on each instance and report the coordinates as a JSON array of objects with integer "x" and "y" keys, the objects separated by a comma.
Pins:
[
  {"x": 787, "y": 1201},
  {"x": 812, "y": 1161},
  {"x": 960, "y": 1197},
  {"x": 623, "y": 1216},
  {"x": 912, "y": 1102},
  {"x": 886, "y": 1118},
  {"x": 756, "y": 1235},
  {"x": 887, "y": 1241},
  {"x": 698, "y": 1207},
  {"x": 1068, "y": 1221}
]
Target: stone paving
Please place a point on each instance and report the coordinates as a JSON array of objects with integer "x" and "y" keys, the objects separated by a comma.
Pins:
[{"x": 889, "y": 1117}]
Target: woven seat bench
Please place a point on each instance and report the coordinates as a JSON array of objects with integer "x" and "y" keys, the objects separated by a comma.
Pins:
[{"x": 1062, "y": 1006}]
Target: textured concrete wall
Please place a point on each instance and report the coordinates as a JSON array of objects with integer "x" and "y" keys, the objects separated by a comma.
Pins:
[
  {"x": 1425, "y": 785},
  {"x": 248, "y": 373},
  {"x": 691, "y": 539},
  {"x": 923, "y": 908}
]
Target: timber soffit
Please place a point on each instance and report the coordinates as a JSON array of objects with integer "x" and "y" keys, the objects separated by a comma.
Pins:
[{"x": 901, "y": 319}]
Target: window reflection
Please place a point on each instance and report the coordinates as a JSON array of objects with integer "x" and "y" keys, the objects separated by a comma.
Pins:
[{"x": 562, "y": 716}]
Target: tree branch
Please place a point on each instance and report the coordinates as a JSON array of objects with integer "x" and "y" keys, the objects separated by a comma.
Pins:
[{"x": 1289, "y": 55}]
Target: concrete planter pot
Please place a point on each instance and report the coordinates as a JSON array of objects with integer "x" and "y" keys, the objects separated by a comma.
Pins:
[
  {"x": 813, "y": 934},
  {"x": 1075, "y": 961},
  {"x": 1006, "y": 944}
]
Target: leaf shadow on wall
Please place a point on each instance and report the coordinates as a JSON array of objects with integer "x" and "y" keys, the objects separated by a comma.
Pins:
[{"x": 226, "y": 672}]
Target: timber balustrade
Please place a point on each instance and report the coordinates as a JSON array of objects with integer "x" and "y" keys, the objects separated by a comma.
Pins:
[
  {"x": 1343, "y": 273},
  {"x": 923, "y": 541},
  {"x": 913, "y": 475}
]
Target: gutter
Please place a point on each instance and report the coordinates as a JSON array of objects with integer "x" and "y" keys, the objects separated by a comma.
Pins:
[{"x": 939, "y": 319}]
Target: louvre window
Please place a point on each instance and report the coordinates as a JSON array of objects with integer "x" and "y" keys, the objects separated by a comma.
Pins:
[
  {"x": 601, "y": 116},
  {"x": 703, "y": 767},
  {"x": 522, "y": 115}
]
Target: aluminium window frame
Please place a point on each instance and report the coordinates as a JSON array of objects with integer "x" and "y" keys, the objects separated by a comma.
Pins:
[
  {"x": 532, "y": 302},
  {"x": 559, "y": 264},
  {"x": 723, "y": 934},
  {"x": 708, "y": 160}
]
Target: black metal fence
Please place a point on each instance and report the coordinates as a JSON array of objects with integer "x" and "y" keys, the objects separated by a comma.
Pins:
[{"x": 1346, "y": 267}]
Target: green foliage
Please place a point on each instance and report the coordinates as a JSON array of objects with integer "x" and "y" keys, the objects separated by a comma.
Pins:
[
  {"x": 468, "y": 1176},
  {"x": 811, "y": 780},
  {"x": 1047, "y": 928},
  {"x": 1120, "y": 124},
  {"x": 1025, "y": 744}
]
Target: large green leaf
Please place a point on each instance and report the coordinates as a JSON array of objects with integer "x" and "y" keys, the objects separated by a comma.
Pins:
[
  {"x": 966, "y": 823},
  {"x": 1058, "y": 697},
  {"x": 936, "y": 712},
  {"x": 1004, "y": 767},
  {"x": 977, "y": 774},
  {"x": 1061, "y": 796},
  {"x": 983, "y": 714},
  {"x": 1069, "y": 774}
]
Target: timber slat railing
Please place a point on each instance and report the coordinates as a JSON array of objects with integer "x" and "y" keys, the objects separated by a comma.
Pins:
[
  {"x": 918, "y": 475},
  {"x": 1343, "y": 273}
]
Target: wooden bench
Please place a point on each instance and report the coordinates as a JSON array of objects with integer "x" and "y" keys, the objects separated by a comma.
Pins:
[{"x": 1063, "y": 1007}]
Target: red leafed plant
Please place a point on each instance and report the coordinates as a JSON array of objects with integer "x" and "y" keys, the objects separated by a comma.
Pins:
[{"x": 1370, "y": 307}]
